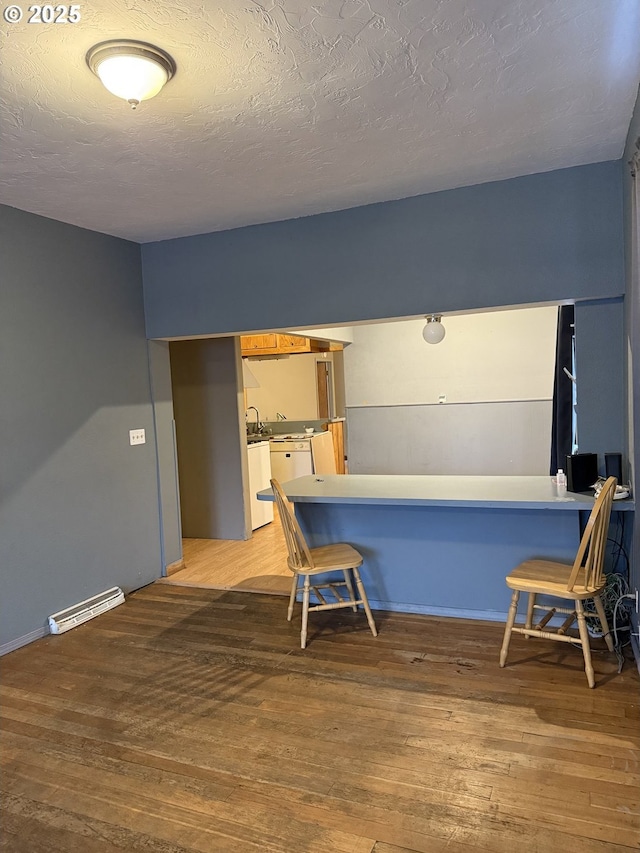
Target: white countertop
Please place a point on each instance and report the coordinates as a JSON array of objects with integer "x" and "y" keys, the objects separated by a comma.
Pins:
[{"x": 419, "y": 490}]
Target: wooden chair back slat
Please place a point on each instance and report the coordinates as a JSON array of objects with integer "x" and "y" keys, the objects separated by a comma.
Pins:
[
  {"x": 335, "y": 557},
  {"x": 299, "y": 554},
  {"x": 590, "y": 556},
  {"x": 584, "y": 580}
]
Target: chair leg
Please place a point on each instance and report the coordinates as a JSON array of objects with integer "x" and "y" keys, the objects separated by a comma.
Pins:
[
  {"x": 365, "y": 602},
  {"x": 292, "y": 597},
  {"x": 349, "y": 585},
  {"x": 511, "y": 618},
  {"x": 584, "y": 638},
  {"x": 305, "y": 611},
  {"x": 529, "y": 620},
  {"x": 603, "y": 622}
]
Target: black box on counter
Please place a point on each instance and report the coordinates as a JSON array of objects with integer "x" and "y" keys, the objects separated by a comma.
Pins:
[
  {"x": 582, "y": 471},
  {"x": 613, "y": 466}
]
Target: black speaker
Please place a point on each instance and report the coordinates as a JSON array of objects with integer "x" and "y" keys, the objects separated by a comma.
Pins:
[
  {"x": 613, "y": 466},
  {"x": 582, "y": 471}
]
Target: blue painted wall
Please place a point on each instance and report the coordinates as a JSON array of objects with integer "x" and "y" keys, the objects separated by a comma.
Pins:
[
  {"x": 428, "y": 560},
  {"x": 600, "y": 358},
  {"x": 167, "y": 458},
  {"x": 211, "y": 438},
  {"x": 74, "y": 371},
  {"x": 79, "y": 506},
  {"x": 543, "y": 238},
  {"x": 632, "y": 337},
  {"x": 547, "y": 237}
]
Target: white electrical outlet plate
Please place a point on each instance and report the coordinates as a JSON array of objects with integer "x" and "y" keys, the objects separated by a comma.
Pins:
[
  {"x": 442, "y": 398},
  {"x": 137, "y": 436}
]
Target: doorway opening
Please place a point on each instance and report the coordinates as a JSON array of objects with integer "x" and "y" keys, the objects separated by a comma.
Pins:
[
  {"x": 219, "y": 548},
  {"x": 257, "y": 565},
  {"x": 324, "y": 386}
]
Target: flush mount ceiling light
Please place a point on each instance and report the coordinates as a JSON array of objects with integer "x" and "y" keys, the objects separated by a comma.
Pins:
[
  {"x": 434, "y": 331},
  {"x": 132, "y": 70}
]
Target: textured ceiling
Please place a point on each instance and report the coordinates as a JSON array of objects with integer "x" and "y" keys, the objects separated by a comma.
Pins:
[{"x": 286, "y": 108}]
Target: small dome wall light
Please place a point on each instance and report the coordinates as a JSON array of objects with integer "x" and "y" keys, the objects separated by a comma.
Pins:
[
  {"x": 434, "y": 331},
  {"x": 132, "y": 70}
]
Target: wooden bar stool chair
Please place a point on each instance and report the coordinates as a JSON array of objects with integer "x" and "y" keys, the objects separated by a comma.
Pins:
[
  {"x": 307, "y": 562},
  {"x": 584, "y": 579}
]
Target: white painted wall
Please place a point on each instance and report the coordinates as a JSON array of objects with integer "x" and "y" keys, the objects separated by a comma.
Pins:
[
  {"x": 287, "y": 385},
  {"x": 343, "y": 334},
  {"x": 501, "y": 355},
  {"x": 496, "y": 371}
]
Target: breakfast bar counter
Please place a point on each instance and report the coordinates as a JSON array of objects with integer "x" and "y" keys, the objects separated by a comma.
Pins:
[{"x": 436, "y": 544}]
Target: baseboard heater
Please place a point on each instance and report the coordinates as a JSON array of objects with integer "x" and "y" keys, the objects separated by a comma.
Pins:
[{"x": 85, "y": 610}]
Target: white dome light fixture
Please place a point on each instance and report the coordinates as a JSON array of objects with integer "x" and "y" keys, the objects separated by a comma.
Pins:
[
  {"x": 434, "y": 331},
  {"x": 132, "y": 70}
]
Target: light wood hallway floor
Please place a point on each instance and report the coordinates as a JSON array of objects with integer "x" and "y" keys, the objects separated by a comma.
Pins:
[
  {"x": 189, "y": 721},
  {"x": 258, "y": 564}
]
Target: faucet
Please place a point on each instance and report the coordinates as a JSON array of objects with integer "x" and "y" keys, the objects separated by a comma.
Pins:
[{"x": 258, "y": 424}]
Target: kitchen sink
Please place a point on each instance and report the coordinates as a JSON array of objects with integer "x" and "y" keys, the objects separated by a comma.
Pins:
[{"x": 252, "y": 437}]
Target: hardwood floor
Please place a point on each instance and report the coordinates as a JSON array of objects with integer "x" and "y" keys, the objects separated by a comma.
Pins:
[
  {"x": 257, "y": 565},
  {"x": 189, "y": 720}
]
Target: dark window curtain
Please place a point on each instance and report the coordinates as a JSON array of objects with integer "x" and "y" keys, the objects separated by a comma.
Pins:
[{"x": 561, "y": 430}]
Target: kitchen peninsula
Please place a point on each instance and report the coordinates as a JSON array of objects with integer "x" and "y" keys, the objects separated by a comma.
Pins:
[{"x": 441, "y": 545}]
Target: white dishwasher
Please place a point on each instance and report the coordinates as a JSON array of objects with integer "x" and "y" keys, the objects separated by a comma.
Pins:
[
  {"x": 259, "y": 478},
  {"x": 290, "y": 458}
]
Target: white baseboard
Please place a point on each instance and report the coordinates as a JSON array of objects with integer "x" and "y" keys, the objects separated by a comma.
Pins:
[{"x": 12, "y": 645}]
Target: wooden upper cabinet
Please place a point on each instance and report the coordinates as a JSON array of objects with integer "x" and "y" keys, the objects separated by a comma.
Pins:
[
  {"x": 258, "y": 342},
  {"x": 276, "y": 344},
  {"x": 293, "y": 343}
]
